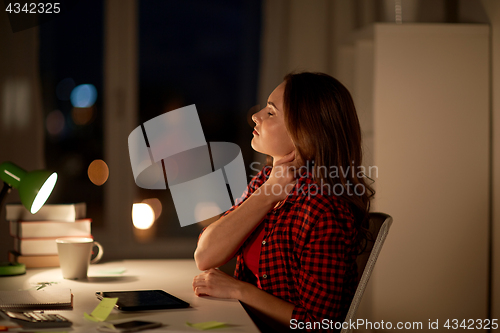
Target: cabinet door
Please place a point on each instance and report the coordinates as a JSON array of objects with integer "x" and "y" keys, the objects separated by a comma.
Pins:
[{"x": 431, "y": 147}]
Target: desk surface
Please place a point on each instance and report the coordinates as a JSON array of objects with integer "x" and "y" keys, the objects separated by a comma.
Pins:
[{"x": 173, "y": 276}]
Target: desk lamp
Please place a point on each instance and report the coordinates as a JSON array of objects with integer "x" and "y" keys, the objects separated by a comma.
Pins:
[{"x": 34, "y": 189}]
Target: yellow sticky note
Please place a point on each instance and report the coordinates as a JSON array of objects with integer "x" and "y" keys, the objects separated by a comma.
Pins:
[
  {"x": 102, "y": 311},
  {"x": 208, "y": 325},
  {"x": 89, "y": 317}
]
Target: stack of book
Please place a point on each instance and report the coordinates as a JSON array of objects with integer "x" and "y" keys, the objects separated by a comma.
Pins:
[{"x": 35, "y": 234}]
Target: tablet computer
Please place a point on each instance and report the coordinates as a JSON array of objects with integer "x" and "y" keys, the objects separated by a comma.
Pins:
[{"x": 139, "y": 300}]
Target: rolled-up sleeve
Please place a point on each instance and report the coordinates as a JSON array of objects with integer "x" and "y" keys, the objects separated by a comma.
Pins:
[{"x": 254, "y": 184}]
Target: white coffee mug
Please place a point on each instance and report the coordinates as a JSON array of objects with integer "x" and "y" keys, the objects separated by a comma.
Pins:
[{"x": 75, "y": 254}]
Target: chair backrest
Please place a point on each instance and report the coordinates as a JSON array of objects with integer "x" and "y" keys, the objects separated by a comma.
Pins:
[{"x": 379, "y": 227}]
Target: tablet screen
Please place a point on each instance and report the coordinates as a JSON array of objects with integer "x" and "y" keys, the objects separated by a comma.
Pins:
[{"x": 145, "y": 300}]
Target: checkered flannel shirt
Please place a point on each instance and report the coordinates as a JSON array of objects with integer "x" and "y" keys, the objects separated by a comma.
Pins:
[{"x": 308, "y": 255}]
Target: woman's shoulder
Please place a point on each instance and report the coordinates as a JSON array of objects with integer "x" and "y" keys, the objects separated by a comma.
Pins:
[
  {"x": 320, "y": 203},
  {"x": 309, "y": 192}
]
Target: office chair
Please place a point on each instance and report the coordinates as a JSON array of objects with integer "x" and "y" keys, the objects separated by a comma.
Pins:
[{"x": 379, "y": 227}]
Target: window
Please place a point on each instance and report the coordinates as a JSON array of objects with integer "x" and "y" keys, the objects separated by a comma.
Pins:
[{"x": 190, "y": 52}]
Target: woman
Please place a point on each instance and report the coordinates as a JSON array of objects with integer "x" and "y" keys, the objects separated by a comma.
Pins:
[{"x": 300, "y": 224}]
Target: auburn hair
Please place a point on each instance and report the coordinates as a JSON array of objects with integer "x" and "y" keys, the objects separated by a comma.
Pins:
[{"x": 323, "y": 124}]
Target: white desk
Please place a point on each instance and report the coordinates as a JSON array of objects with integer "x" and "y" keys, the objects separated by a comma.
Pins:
[{"x": 173, "y": 276}]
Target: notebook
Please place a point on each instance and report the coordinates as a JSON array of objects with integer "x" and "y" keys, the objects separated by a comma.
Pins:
[{"x": 45, "y": 299}]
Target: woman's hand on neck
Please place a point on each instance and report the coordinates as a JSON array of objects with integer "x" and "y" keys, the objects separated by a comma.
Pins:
[{"x": 282, "y": 178}]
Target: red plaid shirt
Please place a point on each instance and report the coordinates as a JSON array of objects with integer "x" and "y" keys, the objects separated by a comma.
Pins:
[{"x": 308, "y": 255}]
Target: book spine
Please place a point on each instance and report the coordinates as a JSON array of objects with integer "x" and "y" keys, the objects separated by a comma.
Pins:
[
  {"x": 61, "y": 212},
  {"x": 34, "y": 261},
  {"x": 39, "y": 246},
  {"x": 50, "y": 229}
]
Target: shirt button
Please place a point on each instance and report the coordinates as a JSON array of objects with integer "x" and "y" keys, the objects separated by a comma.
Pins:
[
  {"x": 263, "y": 242},
  {"x": 264, "y": 276}
]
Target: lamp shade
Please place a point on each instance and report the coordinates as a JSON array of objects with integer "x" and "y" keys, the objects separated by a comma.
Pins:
[{"x": 34, "y": 187}]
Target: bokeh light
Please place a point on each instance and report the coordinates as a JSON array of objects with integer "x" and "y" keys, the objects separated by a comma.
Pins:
[
  {"x": 83, "y": 96},
  {"x": 154, "y": 203},
  {"x": 98, "y": 172},
  {"x": 143, "y": 216},
  {"x": 55, "y": 122},
  {"x": 64, "y": 89},
  {"x": 82, "y": 116}
]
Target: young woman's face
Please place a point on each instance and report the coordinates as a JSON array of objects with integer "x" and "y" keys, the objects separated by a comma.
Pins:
[{"x": 270, "y": 135}]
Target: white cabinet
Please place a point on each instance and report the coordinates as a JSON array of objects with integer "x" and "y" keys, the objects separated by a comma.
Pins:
[{"x": 422, "y": 93}]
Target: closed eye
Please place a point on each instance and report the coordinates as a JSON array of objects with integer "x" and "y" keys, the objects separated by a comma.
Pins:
[{"x": 272, "y": 105}]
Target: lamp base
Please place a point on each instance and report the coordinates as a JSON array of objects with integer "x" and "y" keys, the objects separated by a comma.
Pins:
[{"x": 11, "y": 268}]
